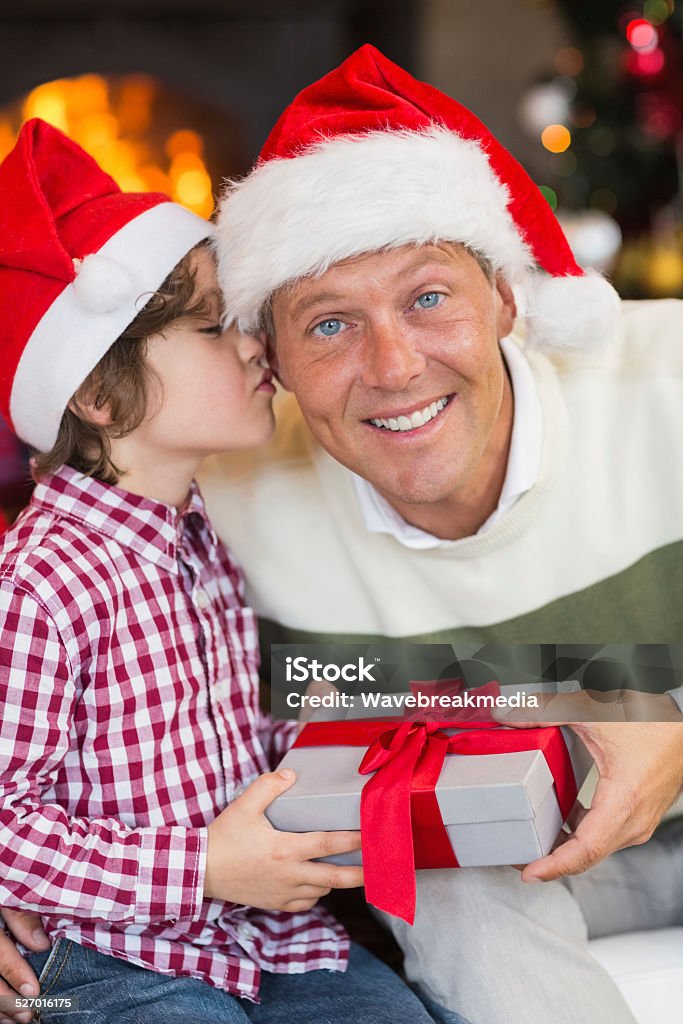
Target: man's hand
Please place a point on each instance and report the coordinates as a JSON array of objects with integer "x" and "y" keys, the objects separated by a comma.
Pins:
[
  {"x": 640, "y": 768},
  {"x": 250, "y": 862},
  {"x": 17, "y": 976}
]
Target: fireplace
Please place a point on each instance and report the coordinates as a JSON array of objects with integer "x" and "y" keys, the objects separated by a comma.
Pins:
[
  {"x": 173, "y": 95},
  {"x": 232, "y": 64}
]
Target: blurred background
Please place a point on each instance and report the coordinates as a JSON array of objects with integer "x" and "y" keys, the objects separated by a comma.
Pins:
[{"x": 174, "y": 95}]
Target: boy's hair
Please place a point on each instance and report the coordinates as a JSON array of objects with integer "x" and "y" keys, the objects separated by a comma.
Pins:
[{"x": 121, "y": 382}]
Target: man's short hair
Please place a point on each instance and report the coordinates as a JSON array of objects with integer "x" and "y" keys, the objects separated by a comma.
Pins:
[{"x": 266, "y": 315}]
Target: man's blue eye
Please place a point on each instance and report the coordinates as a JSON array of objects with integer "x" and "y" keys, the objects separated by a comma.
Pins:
[
  {"x": 328, "y": 328},
  {"x": 429, "y": 300}
]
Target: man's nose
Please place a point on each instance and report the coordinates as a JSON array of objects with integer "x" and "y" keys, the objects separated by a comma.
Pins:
[{"x": 391, "y": 358}]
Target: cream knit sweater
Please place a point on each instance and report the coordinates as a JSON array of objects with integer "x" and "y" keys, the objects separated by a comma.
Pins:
[{"x": 593, "y": 554}]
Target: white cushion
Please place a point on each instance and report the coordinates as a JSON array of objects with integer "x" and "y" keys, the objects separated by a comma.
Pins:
[{"x": 648, "y": 969}]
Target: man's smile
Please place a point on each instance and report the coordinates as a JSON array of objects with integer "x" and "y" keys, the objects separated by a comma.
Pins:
[{"x": 409, "y": 420}]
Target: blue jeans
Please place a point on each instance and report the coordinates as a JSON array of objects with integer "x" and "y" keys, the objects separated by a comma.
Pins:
[{"x": 111, "y": 990}]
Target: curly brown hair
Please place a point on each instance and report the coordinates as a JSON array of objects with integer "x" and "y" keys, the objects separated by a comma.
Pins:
[{"x": 121, "y": 382}]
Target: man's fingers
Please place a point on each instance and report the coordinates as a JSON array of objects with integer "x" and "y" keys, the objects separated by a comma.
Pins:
[
  {"x": 26, "y": 927},
  {"x": 14, "y": 969},
  {"x": 19, "y": 978},
  {"x": 7, "y": 993},
  {"x": 569, "y": 858},
  {"x": 328, "y": 844},
  {"x": 598, "y": 833},
  {"x": 574, "y": 819},
  {"x": 21, "y": 1016}
]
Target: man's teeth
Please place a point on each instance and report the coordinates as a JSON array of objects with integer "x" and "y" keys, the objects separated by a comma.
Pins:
[{"x": 417, "y": 419}]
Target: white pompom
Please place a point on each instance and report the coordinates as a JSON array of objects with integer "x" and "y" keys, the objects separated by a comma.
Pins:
[
  {"x": 101, "y": 284},
  {"x": 572, "y": 312}
]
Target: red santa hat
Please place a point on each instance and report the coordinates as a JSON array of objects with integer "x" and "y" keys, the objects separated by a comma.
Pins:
[
  {"x": 368, "y": 158},
  {"x": 79, "y": 259}
]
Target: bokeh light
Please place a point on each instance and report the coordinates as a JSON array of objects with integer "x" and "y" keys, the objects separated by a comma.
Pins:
[
  {"x": 569, "y": 61},
  {"x": 645, "y": 64},
  {"x": 184, "y": 142},
  {"x": 550, "y": 194},
  {"x": 641, "y": 35},
  {"x": 556, "y": 138},
  {"x": 112, "y": 122},
  {"x": 657, "y": 11},
  {"x": 665, "y": 270}
]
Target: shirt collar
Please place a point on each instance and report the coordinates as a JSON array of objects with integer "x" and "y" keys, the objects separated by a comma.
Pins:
[
  {"x": 151, "y": 528},
  {"x": 524, "y": 460}
]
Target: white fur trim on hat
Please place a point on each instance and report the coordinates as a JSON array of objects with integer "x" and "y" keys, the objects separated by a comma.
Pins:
[
  {"x": 101, "y": 284},
  {"x": 72, "y": 337},
  {"x": 571, "y": 312},
  {"x": 291, "y": 218}
]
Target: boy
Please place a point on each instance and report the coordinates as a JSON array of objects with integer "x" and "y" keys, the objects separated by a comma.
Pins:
[{"x": 128, "y": 687}]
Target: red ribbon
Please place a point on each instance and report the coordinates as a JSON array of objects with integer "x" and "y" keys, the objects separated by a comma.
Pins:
[{"x": 401, "y": 824}]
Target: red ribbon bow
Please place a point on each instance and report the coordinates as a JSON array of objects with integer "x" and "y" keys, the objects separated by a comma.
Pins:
[{"x": 401, "y": 824}]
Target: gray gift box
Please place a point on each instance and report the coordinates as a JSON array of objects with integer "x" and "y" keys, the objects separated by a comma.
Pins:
[{"x": 497, "y": 808}]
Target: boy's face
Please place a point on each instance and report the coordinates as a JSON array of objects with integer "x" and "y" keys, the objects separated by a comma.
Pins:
[{"x": 215, "y": 389}]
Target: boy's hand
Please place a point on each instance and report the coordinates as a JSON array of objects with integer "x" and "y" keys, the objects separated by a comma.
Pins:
[{"x": 253, "y": 863}]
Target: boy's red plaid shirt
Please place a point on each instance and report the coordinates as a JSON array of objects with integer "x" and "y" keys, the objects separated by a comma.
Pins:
[{"x": 128, "y": 720}]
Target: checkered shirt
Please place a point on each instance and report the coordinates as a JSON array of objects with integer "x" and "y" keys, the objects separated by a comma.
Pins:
[{"x": 128, "y": 719}]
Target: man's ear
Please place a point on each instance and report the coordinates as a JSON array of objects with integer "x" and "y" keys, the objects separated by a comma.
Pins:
[
  {"x": 506, "y": 307},
  {"x": 273, "y": 361}
]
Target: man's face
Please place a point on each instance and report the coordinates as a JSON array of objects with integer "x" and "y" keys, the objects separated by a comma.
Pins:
[{"x": 394, "y": 359}]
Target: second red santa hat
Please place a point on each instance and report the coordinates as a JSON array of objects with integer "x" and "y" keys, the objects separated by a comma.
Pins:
[
  {"x": 369, "y": 158},
  {"x": 79, "y": 259}
]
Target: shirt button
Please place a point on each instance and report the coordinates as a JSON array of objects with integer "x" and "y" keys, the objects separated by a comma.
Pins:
[
  {"x": 247, "y": 931},
  {"x": 201, "y": 599}
]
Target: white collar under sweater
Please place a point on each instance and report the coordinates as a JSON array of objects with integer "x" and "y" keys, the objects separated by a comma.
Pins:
[{"x": 523, "y": 466}]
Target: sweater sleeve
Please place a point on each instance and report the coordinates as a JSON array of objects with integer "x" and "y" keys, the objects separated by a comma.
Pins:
[{"x": 50, "y": 861}]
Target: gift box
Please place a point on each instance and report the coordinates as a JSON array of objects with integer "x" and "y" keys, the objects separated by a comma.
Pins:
[{"x": 430, "y": 794}]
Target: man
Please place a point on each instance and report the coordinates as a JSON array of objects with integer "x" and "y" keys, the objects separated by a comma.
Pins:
[{"x": 447, "y": 483}]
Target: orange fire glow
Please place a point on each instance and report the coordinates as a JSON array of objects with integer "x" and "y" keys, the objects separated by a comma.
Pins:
[{"x": 113, "y": 130}]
